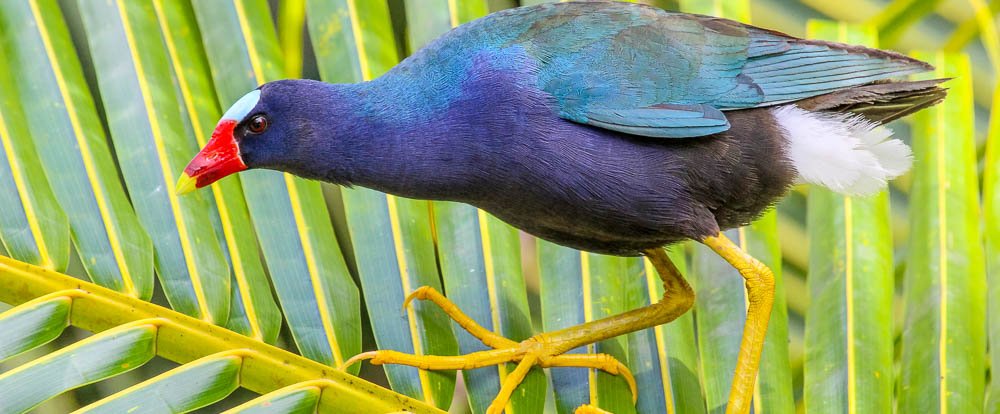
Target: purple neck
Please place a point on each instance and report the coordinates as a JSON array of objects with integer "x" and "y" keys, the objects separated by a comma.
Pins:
[{"x": 385, "y": 141}]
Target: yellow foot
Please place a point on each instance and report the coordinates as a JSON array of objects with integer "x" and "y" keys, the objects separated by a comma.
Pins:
[{"x": 542, "y": 350}]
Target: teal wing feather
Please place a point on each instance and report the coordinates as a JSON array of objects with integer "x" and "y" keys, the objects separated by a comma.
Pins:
[
  {"x": 645, "y": 71},
  {"x": 663, "y": 120}
]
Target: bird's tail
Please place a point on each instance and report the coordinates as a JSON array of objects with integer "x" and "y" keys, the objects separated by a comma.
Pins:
[
  {"x": 841, "y": 151},
  {"x": 837, "y": 140},
  {"x": 879, "y": 102}
]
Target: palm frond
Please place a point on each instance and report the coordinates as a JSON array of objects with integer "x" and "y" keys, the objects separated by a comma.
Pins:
[
  {"x": 848, "y": 363},
  {"x": 129, "y": 332},
  {"x": 113, "y": 248},
  {"x": 102, "y": 103}
]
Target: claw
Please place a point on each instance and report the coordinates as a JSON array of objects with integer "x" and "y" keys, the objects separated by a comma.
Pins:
[
  {"x": 420, "y": 293},
  {"x": 621, "y": 370},
  {"x": 625, "y": 373},
  {"x": 357, "y": 358}
]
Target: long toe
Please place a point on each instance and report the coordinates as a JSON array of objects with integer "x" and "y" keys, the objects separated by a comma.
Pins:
[{"x": 544, "y": 350}]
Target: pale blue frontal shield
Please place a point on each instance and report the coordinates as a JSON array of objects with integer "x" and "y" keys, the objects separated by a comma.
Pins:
[{"x": 242, "y": 107}]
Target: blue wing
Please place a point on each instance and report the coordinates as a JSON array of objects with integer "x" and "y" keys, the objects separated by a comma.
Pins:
[{"x": 644, "y": 71}]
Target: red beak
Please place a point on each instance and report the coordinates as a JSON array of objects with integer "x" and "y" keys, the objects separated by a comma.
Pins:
[{"x": 219, "y": 158}]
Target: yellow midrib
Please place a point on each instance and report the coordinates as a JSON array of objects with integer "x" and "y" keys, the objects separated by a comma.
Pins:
[
  {"x": 85, "y": 155},
  {"x": 359, "y": 43},
  {"x": 258, "y": 72},
  {"x": 491, "y": 289},
  {"x": 942, "y": 248},
  {"x": 849, "y": 302},
  {"x": 661, "y": 342},
  {"x": 317, "y": 284},
  {"x": 842, "y": 36},
  {"x": 227, "y": 226},
  {"x": 26, "y": 202},
  {"x": 296, "y": 207},
  {"x": 453, "y": 12},
  {"x": 988, "y": 31},
  {"x": 157, "y": 135},
  {"x": 588, "y": 315},
  {"x": 411, "y": 318}
]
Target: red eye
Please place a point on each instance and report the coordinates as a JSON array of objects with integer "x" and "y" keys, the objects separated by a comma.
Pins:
[{"x": 258, "y": 124}]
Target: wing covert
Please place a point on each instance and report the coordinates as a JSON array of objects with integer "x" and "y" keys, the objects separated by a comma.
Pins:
[{"x": 645, "y": 71}]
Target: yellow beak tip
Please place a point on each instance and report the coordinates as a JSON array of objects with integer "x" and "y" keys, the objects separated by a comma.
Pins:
[{"x": 185, "y": 184}]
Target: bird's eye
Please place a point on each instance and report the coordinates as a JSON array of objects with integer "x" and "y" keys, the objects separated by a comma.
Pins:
[{"x": 258, "y": 124}]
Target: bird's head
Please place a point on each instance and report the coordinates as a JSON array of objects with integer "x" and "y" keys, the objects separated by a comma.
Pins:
[{"x": 266, "y": 128}]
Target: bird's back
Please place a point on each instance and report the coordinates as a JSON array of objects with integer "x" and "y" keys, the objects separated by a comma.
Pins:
[{"x": 646, "y": 71}]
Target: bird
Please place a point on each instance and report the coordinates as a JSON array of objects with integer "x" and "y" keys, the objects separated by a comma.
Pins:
[{"x": 608, "y": 127}]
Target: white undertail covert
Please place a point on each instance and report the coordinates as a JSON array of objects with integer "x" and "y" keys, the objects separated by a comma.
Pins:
[{"x": 843, "y": 152}]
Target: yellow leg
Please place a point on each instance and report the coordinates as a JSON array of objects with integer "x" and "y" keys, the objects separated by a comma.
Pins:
[
  {"x": 760, "y": 296},
  {"x": 547, "y": 349}
]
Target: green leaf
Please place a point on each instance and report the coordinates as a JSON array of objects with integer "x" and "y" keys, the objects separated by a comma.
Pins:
[
  {"x": 562, "y": 301},
  {"x": 664, "y": 359},
  {"x": 296, "y": 399},
  {"x": 392, "y": 236},
  {"x": 849, "y": 347},
  {"x": 395, "y": 255},
  {"x": 428, "y": 19},
  {"x": 720, "y": 303},
  {"x": 319, "y": 299},
  {"x": 730, "y": 9},
  {"x": 63, "y": 121},
  {"x": 991, "y": 215},
  {"x": 181, "y": 339},
  {"x": 291, "y": 29},
  {"x": 980, "y": 23},
  {"x": 33, "y": 324},
  {"x": 616, "y": 286},
  {"x": 186, "y": 388},
  {"x": 897, "y": 17},
  {"x": 33, "y": 228},
  {"x": 944, "y": 344},
  {"x": 578, "y": 287},
  {"x": 133, "y": 73},
  {"x": 100, "y": 356},
  {"x": 253, "y": 311}
]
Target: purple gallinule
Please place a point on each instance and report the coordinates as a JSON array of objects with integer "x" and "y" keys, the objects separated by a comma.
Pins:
[{"x": 608, "y": 127}]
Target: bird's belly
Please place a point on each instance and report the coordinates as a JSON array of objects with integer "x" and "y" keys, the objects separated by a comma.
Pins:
[
  {"x": 612, "y": 193},
  {"x": 581, "y": 187}
]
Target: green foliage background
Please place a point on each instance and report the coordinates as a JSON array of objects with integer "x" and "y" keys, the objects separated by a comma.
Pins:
[{"x": 883, "y": 302}]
